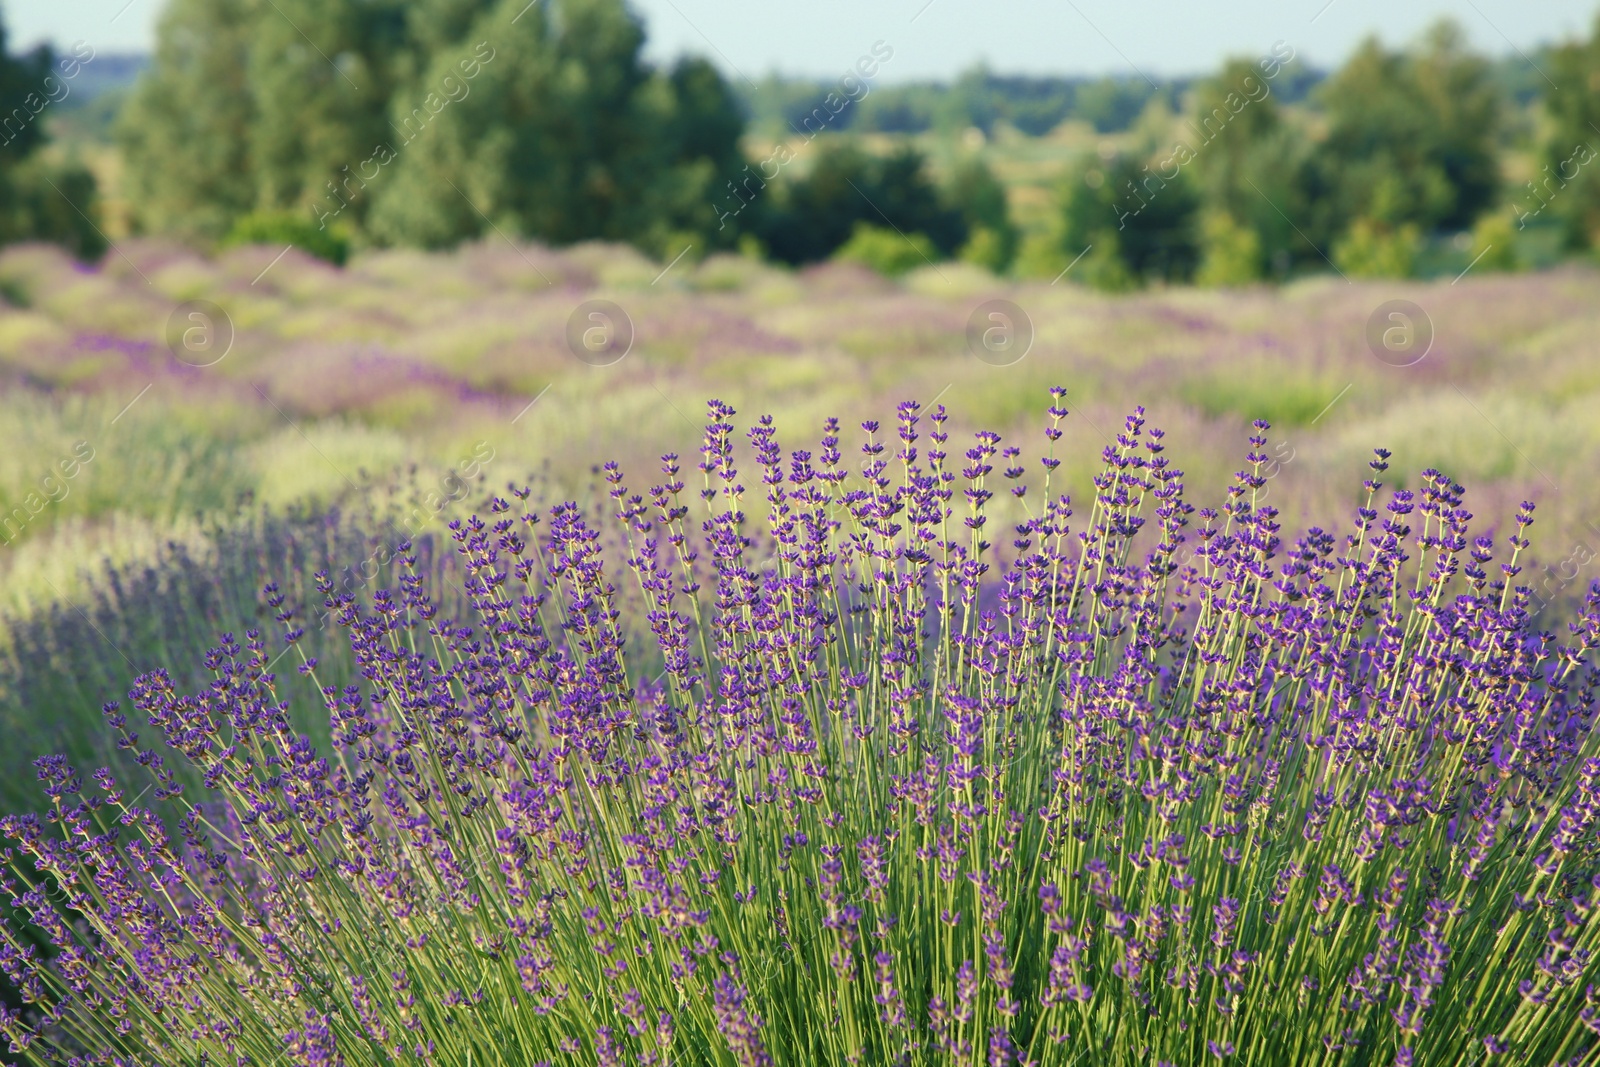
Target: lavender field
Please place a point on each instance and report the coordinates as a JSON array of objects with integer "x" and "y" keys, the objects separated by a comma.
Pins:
[
  {"x": 458, "y": 364},
  {"x": 938, "y": 719}
]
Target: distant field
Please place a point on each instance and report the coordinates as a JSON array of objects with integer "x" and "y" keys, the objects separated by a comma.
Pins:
[{"x": 340, "y": 378}]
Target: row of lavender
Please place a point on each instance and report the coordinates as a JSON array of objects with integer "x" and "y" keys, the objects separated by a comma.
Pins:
[{"x": 1155, "y": 787}]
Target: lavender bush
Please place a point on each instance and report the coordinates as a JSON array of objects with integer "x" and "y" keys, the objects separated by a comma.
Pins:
[{"x": 1154, "y": 787}]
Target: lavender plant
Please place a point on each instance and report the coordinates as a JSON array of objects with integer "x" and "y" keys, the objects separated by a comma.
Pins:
[
  {"x": 1141, "y": 790},
  {"x": 134, "y": 615}
]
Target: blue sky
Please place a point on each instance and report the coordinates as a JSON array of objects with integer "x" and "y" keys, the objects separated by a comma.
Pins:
[{"x": 748, "y": 38}]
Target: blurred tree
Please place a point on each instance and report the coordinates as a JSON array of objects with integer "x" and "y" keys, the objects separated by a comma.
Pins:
[
  {"x": 1568, "y": 183},
  {"x": 804, "y": 219},
  {"x": 575, "y": 138},
  {"x": 40, "y": 201},
  {"x": 541, "y": 145},
  {"x": 1112, "y": 104},
  {"x": 431, "y": 27},
  {"x": 1234, "y": 114},
  {"x": 1132, "y": 223},
  {"x": 1373, "y": 250},
  {"x": 1036, "y": 105},
  {"x": 905, "y": 192},
  {"x": 781, "y": 107},
  {"x": 993, "y": 238},
  {"x": 290, "y": 228},
  {"x": 1410, "y": 139},
  {"x": 1250, "y": 166},
  {"x": 1040, "y": 254},
  {"x": 321, "y": 75},
  {"x": 1230, "y": 252},
  {"x": 185, "y": 135},
  {"x": 809, "y": 217},
  {"x": 886, "y": 251},
  {"x": 1466, "y": 111},
  {"x": 969, "y": 101},
  {"x": 897, "y": 109},
  {"x": 395, "y": 119},
  {"x": 253, "y": 105},
  {"x": 978, "y": 97},
  {"x": 1494, "y": 244},
  {"x": 1104, "y": 267},
  {"x": 21, "y": 77},
  {"x": 1408, "y": 148}
]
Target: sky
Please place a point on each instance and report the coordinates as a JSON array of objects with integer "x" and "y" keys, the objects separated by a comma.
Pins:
[{"x": 939, "y": 38}]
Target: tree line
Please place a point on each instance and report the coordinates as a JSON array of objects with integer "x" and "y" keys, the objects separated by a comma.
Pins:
[
  {"x": 980, "y": 99},
  {"x": 431, "y": 122},
  {"x": 40, "y": 198}
]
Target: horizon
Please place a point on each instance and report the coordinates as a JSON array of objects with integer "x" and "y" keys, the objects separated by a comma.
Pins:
[{"x": 935, "y": 40}]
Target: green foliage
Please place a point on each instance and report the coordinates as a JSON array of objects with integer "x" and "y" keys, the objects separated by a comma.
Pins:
[
  {"x": 1410, "y": 139},
  {"x": 1113, "y": 103},
  {"x": 1494, "y": 244},
  {"x": 1104, "y": 267},
  {"x": 1034, "y": 105},
  {"x": 1040, "y": 256},
  {"x": 1248, "y": 161},
  {"x": 1569, "y": 182},
  {"x": 40, "y": 201},
  {"x": 43, "y": 201},
  {"x": 1406, "y": 147},
  {"x": 988, "y": 249},
  {"x": 806, "y": 219},
  {"x": 1230, "y": 252},
  {"x": 185, "y": 135},
  {"x": 1138, "y": 225},
  {"x": 978, "y": 97},
  {"x": 1466, "y": 116},
  {"x": 1374, "y": 250},
  {"x": 442, "y": 121},
  {"x": 777, "y": 105},
  {"x": 565, "y": 135},
  {"x": 22, "y": 96},
  {"x": 321, "y": 76},
  {"x": 1234, "y": 110},
  {"x": 285, "y": 228},
  {"x": 975, "y": 192},
  {"x": 427, "y": 124},
  {"x": 887, "y": 251}
]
